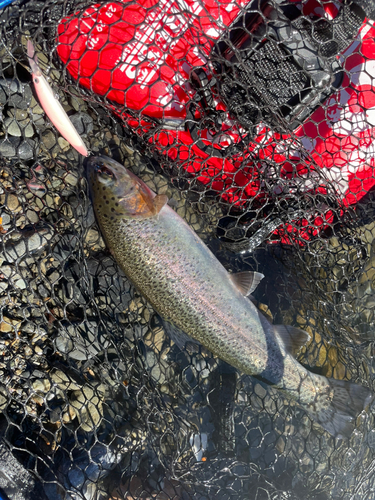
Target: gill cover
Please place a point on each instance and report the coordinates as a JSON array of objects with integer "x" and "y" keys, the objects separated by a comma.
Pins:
[{"x": 132, "y": 197}]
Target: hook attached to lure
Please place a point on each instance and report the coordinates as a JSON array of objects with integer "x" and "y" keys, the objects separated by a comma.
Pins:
[{"x": 52, "y": 106}]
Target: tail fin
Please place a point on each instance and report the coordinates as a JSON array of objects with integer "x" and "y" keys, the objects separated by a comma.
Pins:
[{"x": 346, "y": 402}]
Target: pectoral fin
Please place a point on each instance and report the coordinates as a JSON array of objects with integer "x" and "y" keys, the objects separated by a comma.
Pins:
[
  {"x": 144, "y": 207},
  {"x": 159, "y": 202},
  {"x": 246, "y": 281}
]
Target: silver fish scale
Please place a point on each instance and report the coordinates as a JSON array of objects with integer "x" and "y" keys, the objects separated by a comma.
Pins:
[{"x": 189, "y": 287}]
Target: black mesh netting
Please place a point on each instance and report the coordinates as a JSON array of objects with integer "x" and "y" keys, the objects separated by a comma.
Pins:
[{"x": 257, "y": 120}]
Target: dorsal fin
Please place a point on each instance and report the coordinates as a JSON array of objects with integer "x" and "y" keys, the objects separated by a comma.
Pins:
[
  {"x": 246, "y": 281},
  {"x": 159, "y": 201},
  {"x": 292, "y": 338}
]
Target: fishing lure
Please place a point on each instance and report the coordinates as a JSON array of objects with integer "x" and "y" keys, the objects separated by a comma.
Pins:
[{"x": 52, "y": 106}]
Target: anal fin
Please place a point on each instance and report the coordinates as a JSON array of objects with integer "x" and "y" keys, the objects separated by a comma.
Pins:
[{"x": 293, "y": 338}]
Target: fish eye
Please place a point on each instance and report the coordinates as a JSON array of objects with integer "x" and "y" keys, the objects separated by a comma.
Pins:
[{"x": 105, "y": 175}]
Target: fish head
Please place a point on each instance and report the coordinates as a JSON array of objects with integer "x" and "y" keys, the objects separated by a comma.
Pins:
[{"x": 117, "y": 192}]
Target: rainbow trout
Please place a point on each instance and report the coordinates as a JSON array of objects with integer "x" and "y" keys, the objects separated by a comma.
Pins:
[{"x": 194, "y": 294}]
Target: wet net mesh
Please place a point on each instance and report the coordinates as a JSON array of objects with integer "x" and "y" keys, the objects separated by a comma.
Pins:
[{"x": 256, "y": 120}]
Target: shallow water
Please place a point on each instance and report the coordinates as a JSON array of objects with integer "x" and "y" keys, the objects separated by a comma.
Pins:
[{"x": 96, "y": 401}]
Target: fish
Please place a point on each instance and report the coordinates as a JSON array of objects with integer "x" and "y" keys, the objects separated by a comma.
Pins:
[
  {"x": 52, "y": 106},
  {"x": 197, "y": 298}
]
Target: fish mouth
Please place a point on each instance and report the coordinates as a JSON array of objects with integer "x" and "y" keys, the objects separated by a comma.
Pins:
[
  {"x": 99, "y": 166},
  {"x": 99, "y": 161},
  {"x": 89, "y": 166},
  {"x": 92, "y": 164},
  {"x": 92, "y": 161}
]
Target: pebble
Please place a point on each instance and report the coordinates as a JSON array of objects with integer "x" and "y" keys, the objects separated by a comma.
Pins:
[
  {"x": 22, "y": 244},
  {"x": 15, "y": 94},
  {"x": 89, "y": 217},
  {"x": 62, "y": 250},
  {"x": 18, "y": 114},
  {"x": 69, "y": 415},
  {"x": 9, "y": 325},
  {"x": 68, "y": 182},
  {"x": 111, "y": 287},
  {"x": 6, "y": 221},
  {"x": 9, "y": 272},
  {"x": 71, "y": 179},
  {"x": 88, "y": 406},
  {"x": 4, "y": 398},
  {"x": 48, "y": 140},
  {"x": 19, "y": 128},
  {"x": 32, "y": 216},
  {"x": 14, "y": 147},
  {"x": 26, "y": 149},
  {"x": 260, "y": 391},
  {"x": 41, "y": 385},
  {"x": 20, "y": 284},
  {"x": 37, "y": 113},
  {"x": 83, "y": 123},
  {"x": 93, "y": 239},
  {"x": 38, "y": 120},
  {"x": 76, "y": 101},
  {"x": 63, "y": 381},
  {"x": 64, "y": 145},
  {"x": 12, "y": 203},
  {"x": 81, "y": 341},
  {"x": 8, "y": 147},
  {"x": 87, "y": 471}
]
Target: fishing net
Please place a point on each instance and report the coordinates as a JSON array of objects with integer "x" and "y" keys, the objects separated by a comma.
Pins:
[{"x": 256, "y": 119}]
